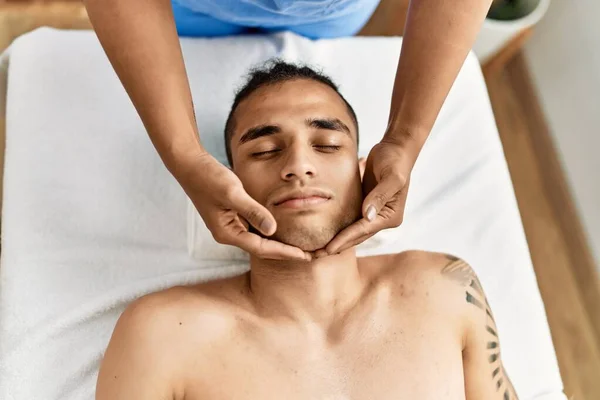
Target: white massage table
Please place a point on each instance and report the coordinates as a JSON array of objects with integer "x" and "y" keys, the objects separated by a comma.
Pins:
[{"x": 91, "y": 219}]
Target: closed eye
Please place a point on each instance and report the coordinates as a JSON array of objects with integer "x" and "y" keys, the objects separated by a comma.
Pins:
[
  {"x": 264, "y": 153},
  {"x": 328, "y": 149}
]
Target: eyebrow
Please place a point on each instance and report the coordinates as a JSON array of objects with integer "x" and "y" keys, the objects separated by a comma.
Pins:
[
  {"x": 258, "y": 132},
  {"x": 334, "y": 124}
]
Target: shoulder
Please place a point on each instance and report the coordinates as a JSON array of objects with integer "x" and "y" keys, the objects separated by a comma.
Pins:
[
  {"x": 152, "y": 338},
  {"x": 427, "y": 268},
  {"x": 440, "y": 283},
  {"x": 448, "y": 286},
  {"x": 160, "y": 312},
  {"x": 137, "y": 344},
  {"x": 452, "y": 278},
  {"x": 169, "y": 314}
]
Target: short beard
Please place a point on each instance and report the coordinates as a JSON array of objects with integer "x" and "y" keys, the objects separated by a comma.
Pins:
[
  {"x": 312, "y": 238},
  {"x": 306, "y": 238}
]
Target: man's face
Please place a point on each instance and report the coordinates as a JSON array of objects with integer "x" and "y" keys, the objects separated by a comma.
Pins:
[{"x": 296, "y": 141}]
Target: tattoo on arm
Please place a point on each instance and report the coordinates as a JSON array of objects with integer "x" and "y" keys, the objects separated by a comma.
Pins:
[{"x": 461, "y": 273}]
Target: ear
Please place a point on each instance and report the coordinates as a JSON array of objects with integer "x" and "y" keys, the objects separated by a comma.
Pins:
[{"x": 362, "y": 163}]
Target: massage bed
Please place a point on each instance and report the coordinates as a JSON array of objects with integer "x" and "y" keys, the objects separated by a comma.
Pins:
[{"x": 92, "y": 220}]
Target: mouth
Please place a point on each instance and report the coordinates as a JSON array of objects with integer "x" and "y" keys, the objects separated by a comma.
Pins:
[
  {"x": 302, "y": 199},
  {"x": 302, "y": 202}
]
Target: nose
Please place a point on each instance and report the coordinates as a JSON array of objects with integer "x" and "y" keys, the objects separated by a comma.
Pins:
[{"x": 298, "y": 164}]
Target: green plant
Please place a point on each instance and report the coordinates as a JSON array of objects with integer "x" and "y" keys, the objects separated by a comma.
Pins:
[{"x": 508, "y": 10}]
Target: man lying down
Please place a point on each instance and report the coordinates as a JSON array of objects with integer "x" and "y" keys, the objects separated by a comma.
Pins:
[{"x": 412, "y": 325}]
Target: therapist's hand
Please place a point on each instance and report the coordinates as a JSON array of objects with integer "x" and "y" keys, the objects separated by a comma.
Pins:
[
  {"x": 385, "y": 183},
  {"x": 226, "y": 208}
]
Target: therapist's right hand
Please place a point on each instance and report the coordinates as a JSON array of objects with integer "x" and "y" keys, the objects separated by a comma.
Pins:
[{"x": 227, "y": 209}]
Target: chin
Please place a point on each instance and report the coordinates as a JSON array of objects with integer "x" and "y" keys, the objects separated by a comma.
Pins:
[
  {"x": 307, "y": 238},
  {"x": 314, "y": 231}
]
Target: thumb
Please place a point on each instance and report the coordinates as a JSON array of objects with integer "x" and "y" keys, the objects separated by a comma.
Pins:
[
  {"x": 379, "y": 196},
  {"x": 253, "y": 212}
]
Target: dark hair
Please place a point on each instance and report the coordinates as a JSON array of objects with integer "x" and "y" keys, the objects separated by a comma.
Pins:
[{"x": 273, "y": 72}]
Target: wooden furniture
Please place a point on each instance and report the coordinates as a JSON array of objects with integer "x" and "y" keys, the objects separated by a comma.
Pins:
[{"x": 562, "y": 260}]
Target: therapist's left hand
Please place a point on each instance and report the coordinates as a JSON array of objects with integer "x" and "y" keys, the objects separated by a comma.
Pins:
[{"x": 385, "y": 183}]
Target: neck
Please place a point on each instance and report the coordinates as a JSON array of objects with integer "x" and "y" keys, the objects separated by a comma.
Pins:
[{"x": 316, "y": 292}]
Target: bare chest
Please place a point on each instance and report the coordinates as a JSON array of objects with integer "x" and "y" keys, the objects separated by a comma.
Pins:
[{"x": 424, "y": 362}]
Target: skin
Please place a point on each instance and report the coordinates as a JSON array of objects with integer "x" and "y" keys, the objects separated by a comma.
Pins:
[
  {"x": 299, "y": 157},
  {"x": 414, "y": 325},
  {"x": 141, "y": 42}
]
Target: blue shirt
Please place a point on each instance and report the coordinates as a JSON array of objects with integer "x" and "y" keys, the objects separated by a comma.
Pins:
[{"x": 279, "y": 13}]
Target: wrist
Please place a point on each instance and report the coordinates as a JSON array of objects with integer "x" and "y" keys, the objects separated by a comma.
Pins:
[
  {"x": 181, "y": 153},
  {"x": 409, "y": 140}
]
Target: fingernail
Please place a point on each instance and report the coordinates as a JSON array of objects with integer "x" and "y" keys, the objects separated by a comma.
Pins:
[
  {"x": 266, "y": 226},
  {"x": 371, "y": 213}
]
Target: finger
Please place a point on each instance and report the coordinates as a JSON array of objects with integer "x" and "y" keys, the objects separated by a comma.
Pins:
[
  {"x": 349, "y": 235},
  {"x": 241, "y": 221},
  {"x": 268, "y": 249},
  {"x": 379, "y": 196},
  {"x": 354, "y": 232},
  {"x": 355, "y": 242},
  {"x": 253, "y": 212},
  {"x": 320, "y": 253}
]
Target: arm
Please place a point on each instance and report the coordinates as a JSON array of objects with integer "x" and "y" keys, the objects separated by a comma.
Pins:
[
  {"x": 437, "y": 38},
  {"x": 141, "y": 42},
  {"x": 485, "y": 376},
  {"x": 135, "y": 367}
]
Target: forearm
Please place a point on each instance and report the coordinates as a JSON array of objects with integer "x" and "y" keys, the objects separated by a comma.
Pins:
[
  {"x": 437, "y": 38},
  {"x": 141, "y": 42}
]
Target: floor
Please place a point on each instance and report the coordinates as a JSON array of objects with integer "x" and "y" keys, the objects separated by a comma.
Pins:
[{"x": 563, "y": 264}]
